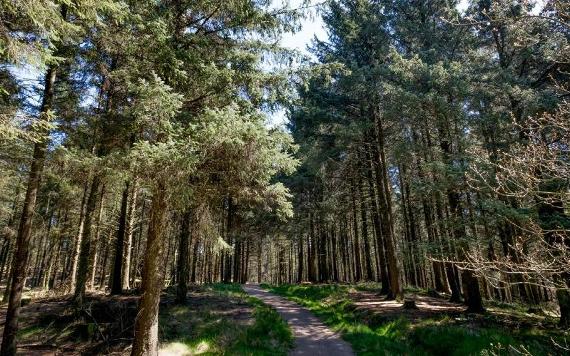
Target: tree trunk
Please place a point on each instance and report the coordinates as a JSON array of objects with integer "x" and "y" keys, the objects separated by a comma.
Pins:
[
  {"x": 146, "y": 324},
  {"x": 183, "y": 250},
  {"x": 25, "y": 229},
  {"x": 311, "y": 250},
  {"x": 97, "y": 239},
  {"x": 116, "y": 276},
  {"x": 135, "y": 266},
  {"x": 563, "y": 296},
  {"x": 380, "y": 243},
  {"x": 356, "y": 242},
  {"x": 45, "y": 251},
  {"x": 83, "y": 268},
  {"x": 470, "y": 283},
  {"x": 363, "y": 210},
  {"x": 132, "y": 202},
  {"x": 300, "y": 260},
  {"x": 385, "y": 207},
  {"x": 78, "y": 241}
]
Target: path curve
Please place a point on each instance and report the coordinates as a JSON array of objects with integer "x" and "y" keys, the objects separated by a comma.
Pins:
[{"x": 312, "y": 337}]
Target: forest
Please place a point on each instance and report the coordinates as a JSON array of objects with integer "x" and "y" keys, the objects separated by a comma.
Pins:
[{"x": 413, "y": 199}]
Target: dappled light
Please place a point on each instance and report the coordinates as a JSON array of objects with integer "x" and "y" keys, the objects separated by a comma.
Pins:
[{"x": 284, "y": 177}]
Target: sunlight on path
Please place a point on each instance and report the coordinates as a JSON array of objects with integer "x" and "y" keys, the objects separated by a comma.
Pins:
[{"x": 312, "y": 337}]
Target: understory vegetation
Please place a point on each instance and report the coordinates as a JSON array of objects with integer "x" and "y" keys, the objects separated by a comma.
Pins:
[
  {"x": 156, "y": 153},
  {"x": 217, "y": 319},
  {"x": 223, "y": 320},
  {"x": 371, "y": 332}
]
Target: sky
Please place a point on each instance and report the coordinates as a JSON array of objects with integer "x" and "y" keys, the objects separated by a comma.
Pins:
[{"x": 313, "y": 26}]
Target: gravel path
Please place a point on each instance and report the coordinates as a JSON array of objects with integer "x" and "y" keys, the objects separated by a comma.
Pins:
[{"x": 312, "y": 337}]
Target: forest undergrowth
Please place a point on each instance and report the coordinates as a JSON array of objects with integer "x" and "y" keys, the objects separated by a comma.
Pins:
[
  {"x": 503, "y": 330},
  {"x": 217, "y": 319}
]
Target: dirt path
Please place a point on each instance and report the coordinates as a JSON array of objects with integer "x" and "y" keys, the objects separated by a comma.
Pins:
[{"x": 312, "y": 337}]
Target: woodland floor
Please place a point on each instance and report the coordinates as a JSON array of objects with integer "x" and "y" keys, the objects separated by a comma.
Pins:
[
  {"x": 222, "y": 319},
  {"x": 374, "y": 326},
  {"x": 217, "y": 319}
]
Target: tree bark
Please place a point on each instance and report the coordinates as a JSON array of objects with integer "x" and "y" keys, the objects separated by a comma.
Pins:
[
  {"x": 20, "y": 259},
  {"x": 363, "y": 210},
  {"x": 311, "y": 250},
  {"x": 146, "y": 324},
  {"x": 356, "y": 242},
  {"x": 300, "y": 260},
  {"x": 385, "y": 207},
  {"x": 183, "y": 250},
  {"x": 97, "y": 239},
  {"x": 139, "y": 242},
  {"x": 77, "y": 247},
  {"x": 132, "y": 203},
  {"x": 83, "y": 267},
  {"x": 116, "y": 276},
  {"x": 380, "y": 243}
]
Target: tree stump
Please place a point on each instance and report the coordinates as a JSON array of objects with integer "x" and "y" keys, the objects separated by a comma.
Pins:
[
  {"x": 433, "y": 293},
  {"x": 410, "y": 304},
  {"x": 535, "y": 310}
]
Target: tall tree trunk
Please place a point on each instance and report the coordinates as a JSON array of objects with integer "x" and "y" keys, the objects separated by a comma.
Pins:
[
  {"x": 385, "y": 207},
  {"x": 132, "y": 203},
  {"x": 259, "y": 259},
  {"x": 472, "y": 293},
  {"x": 183, "y": 250},
  {"x": 116, "y": 274},
  {"x": 363, "y": 210},
  {"x": 9, "y": 236},
  {"x": 41, "y": 264},
  {"x": 311, "y": 249},
  {"x": 356, "y": 242},
  {"x": 380, "y": 243},
  {"x": 145, "y": 341},
  {"x": 105, "y": 260},
  {"x": 97, "y": 239},
  {"x": 300, "y": 260},
  {"x": 245, "y": 264},
  {"x": 322, "y": 252},
  {"x": 344, "y": 250},
  {"x": 196, "y": 247},
  {"x": 79, "y": 239},
  {"x": 230, "y": 241},
  {"x": 135, "y": 266},
  {"x": 334, "y": 255},
  {"x": 24, "y": 236},
  {"x": 83, "y": 268}
]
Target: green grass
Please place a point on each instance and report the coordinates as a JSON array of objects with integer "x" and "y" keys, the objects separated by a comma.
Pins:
[
  {"x": 206, "y": 330},
  {"x": 373, "y": 335},
  {"x": 31, "y": 331}
]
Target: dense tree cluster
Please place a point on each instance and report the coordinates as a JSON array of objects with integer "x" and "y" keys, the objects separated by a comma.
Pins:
[
  {"x": 142, "y": 152},
  {"x": 435, "y": 150},
  {"x": 427, "y": 147}
]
